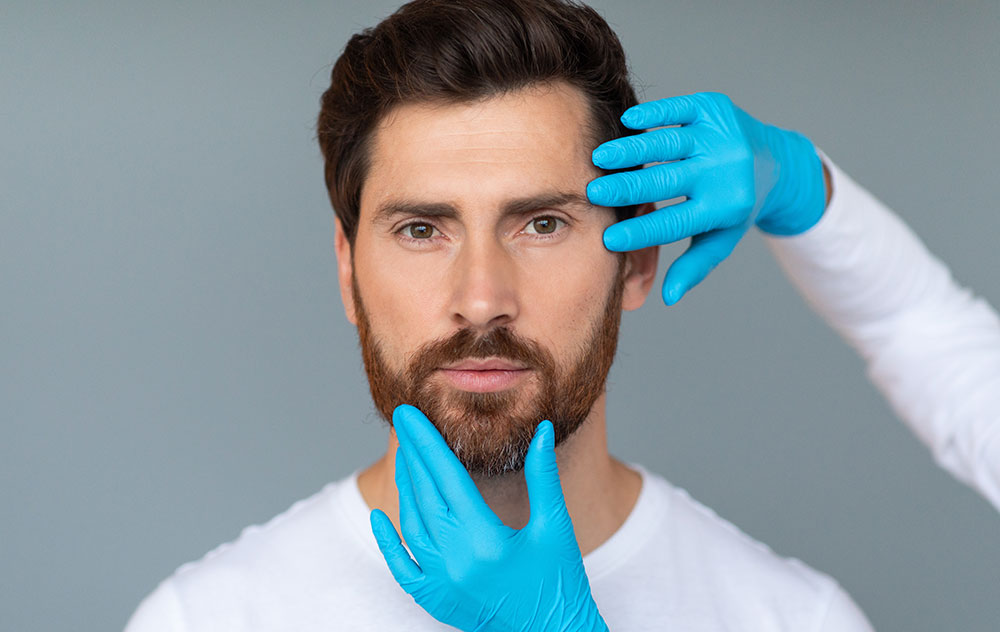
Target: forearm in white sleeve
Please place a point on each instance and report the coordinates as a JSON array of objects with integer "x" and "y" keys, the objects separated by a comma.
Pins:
[{"x": 931, "y": 347}]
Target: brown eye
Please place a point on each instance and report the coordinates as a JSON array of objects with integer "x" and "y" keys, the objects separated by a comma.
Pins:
[
  {"x": 545, "y": 224},
  {"x": 420, "y": 231}
]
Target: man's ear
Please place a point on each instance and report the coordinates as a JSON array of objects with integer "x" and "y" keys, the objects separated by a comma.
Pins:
[
  {"x": 640, "y": 269},
  {"x": 345, "y": 270}
]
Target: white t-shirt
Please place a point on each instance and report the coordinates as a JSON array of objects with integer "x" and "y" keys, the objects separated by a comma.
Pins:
[
  {"x": 672, "y": 565},
  {"x": 931, "y": 346}
]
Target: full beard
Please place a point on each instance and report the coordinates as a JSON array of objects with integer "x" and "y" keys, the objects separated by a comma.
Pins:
[{"x": 490, "y": 432}]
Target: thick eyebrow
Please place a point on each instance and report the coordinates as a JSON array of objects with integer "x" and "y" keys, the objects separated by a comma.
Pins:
[{"x": 392, "y": 208}]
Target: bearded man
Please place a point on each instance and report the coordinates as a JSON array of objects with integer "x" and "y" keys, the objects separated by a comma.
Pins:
[{"x": 457, "y": 138}]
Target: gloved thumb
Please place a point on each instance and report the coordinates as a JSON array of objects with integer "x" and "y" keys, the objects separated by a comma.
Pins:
[{"x": 542, "y": 477}]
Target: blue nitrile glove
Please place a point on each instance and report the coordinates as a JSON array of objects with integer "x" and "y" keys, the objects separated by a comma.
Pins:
[
  {"x": 734, "y": 170},
  {"x": 472, "y": 571}
]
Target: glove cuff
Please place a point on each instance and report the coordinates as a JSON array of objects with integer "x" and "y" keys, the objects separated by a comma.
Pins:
[{"x": 798, "y": 199}]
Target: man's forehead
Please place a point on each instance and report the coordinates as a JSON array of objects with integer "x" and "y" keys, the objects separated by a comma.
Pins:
[{"x": 525, "y": 143}]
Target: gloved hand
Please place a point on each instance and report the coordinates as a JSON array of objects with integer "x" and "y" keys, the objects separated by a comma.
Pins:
[
  {"x": 734, "y": 170},
  {"x": 472, "y": 571}
]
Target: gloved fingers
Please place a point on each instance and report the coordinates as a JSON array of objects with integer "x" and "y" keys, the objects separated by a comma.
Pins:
[
  {"x": 404, "y": 570},
  {"x": 700, "y": 258},
  {"x": 673, "y": 143},
  {"x": 449, "y": 477},
  {"x": 652, "y": 184},
  {"x": 430, "y": 504},
  {"x": 411, "y": 523},
  {"x": 541, "y": 473},
  {"x": 662, "y": 226},
  {"x": 679, "y": 110}
]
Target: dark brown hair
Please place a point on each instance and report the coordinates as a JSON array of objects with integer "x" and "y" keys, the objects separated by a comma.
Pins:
[{"x": 464, "y": 50}]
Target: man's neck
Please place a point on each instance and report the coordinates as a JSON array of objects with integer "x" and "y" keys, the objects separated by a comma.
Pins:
[{"x": 600, "y": 490}]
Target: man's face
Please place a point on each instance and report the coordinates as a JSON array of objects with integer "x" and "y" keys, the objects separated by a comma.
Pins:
[{"x": 480, "y": 284}]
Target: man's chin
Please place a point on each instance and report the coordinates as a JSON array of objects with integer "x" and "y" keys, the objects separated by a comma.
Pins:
[
  {"x": 480, "y": 424},
  {"x": 490, "y": 448},
  {"x": 505, "y": 405}
]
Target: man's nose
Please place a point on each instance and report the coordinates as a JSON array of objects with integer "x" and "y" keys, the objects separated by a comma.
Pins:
[{"x": 484, "y": 290}]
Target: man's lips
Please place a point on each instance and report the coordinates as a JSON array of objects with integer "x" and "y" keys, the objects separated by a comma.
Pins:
[
  {"x": 482, "y": 376},
  {"x": 484, "y": 365}
]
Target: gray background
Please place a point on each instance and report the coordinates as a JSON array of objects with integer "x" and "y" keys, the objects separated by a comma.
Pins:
[{"x": 175, "y": 363}]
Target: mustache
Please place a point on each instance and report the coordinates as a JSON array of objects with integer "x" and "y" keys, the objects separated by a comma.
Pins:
[{"x": 466, "y": 344}]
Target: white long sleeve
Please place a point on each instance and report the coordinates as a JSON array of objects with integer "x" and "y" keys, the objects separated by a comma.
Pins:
[{"x": 931, "y": 346}]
